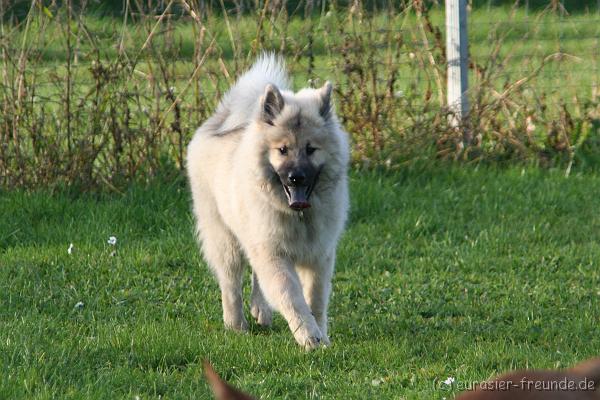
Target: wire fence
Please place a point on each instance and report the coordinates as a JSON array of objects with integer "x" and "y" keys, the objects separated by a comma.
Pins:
[{"x": 97, "y": 101}]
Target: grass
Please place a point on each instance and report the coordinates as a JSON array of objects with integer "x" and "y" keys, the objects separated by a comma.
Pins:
[{"x": 442, "y": 272}]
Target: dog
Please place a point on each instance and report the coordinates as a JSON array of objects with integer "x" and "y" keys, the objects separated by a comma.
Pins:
[
  {"x": 268, "y": 176},
  {"x": 577, "y": 383}
]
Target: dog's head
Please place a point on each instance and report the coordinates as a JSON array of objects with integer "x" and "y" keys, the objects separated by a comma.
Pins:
[{"x": 302, "y": 137}]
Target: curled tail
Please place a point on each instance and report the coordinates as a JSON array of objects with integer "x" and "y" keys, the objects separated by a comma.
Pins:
[{"x": 241, "y": 101}]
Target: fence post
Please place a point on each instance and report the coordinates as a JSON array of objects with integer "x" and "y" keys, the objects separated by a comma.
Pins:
[{"x": 458, "y": 63}]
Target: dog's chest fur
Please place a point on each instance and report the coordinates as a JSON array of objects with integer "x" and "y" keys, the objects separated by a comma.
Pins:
[{"x": 304, "y": 238}]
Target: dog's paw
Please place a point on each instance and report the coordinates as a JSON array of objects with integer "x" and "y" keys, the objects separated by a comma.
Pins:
[
  {"x": 312, "y": 343},
  {"x": 262, "y": 313},
  {"x": 316, "y": 342},
  {"x": 309, "y": 337},
  {"x": 238, "y": 325}
]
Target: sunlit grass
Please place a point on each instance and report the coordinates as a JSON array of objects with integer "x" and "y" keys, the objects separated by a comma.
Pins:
[{"x": 442, "y": 272}]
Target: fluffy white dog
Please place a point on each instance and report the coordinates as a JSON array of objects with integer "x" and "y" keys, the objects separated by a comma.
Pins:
[{"x": 268, "y": 174}]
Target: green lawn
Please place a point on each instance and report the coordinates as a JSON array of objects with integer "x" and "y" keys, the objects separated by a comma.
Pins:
[{"x": 442, "y": 272}]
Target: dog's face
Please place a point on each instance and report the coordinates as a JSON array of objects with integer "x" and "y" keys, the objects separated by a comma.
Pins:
[{"x": 298, "y": 139}]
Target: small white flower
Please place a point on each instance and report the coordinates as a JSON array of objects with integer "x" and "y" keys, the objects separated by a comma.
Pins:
[
  {"x": 377, "y": 382},
  {"x": 112, "y": 240},
  {"x": 530, "y": 125},
  {"x": 70, "y": 249},
  {"x": 399, "y": 94},
  {"x": 79, "y": 305},
  {"x": 449, "y": 381}
]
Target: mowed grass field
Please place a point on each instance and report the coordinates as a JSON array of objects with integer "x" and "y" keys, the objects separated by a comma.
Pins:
[{"x": 443, "y": 272}]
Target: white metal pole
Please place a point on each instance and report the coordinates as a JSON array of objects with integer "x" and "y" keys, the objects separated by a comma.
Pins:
[{"x": 458, "y": 60}]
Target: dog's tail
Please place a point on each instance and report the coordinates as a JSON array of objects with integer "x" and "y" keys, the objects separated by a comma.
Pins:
[
  {"x": 241, "y": 101},
  {"x": 221, "y": 389},
  {"x": 590, "y": 369},
  {"x": 269, "y": 68}
]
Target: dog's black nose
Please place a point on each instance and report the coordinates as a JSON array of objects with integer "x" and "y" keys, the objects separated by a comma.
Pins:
[{"x": 296, "y": 177}]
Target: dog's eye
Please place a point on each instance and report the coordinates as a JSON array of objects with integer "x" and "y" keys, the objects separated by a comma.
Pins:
[
  {"x": 283, "y": 150},
  {"x": 310, "y": 149}
]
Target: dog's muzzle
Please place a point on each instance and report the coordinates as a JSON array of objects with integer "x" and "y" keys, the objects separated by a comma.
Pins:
[
  {"x": 298, "y": 187},
  {"x": 297, "y": 196}
]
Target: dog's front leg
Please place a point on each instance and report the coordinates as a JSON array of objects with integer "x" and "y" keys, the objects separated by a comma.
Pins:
[
  {"x": 316, "y": 285},
  {"x": 259, "y": 306},
  {"x": 281, "y": 286}
]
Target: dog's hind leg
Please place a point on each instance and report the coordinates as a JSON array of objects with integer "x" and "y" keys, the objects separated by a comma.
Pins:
[
  {"x": 222, "y": 252},
  {"x": 260, "y": 309}
]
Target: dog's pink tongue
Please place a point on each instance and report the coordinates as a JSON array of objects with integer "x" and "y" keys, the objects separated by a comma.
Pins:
[{"x": 298, "y": 200}]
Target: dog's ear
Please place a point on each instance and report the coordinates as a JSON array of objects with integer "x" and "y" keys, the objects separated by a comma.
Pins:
[
  {"x": 589, "y": 369},
  {"x": 221, "y": 389},
  {"x": 271, "y": 104},
  {"x": 325, "y": 97}
]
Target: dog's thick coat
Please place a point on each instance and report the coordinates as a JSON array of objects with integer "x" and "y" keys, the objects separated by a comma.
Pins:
[{"x": 268, "y": 174}]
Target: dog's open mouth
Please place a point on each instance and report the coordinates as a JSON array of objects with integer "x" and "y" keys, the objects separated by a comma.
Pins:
[{"x": 298, "y": 196}]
